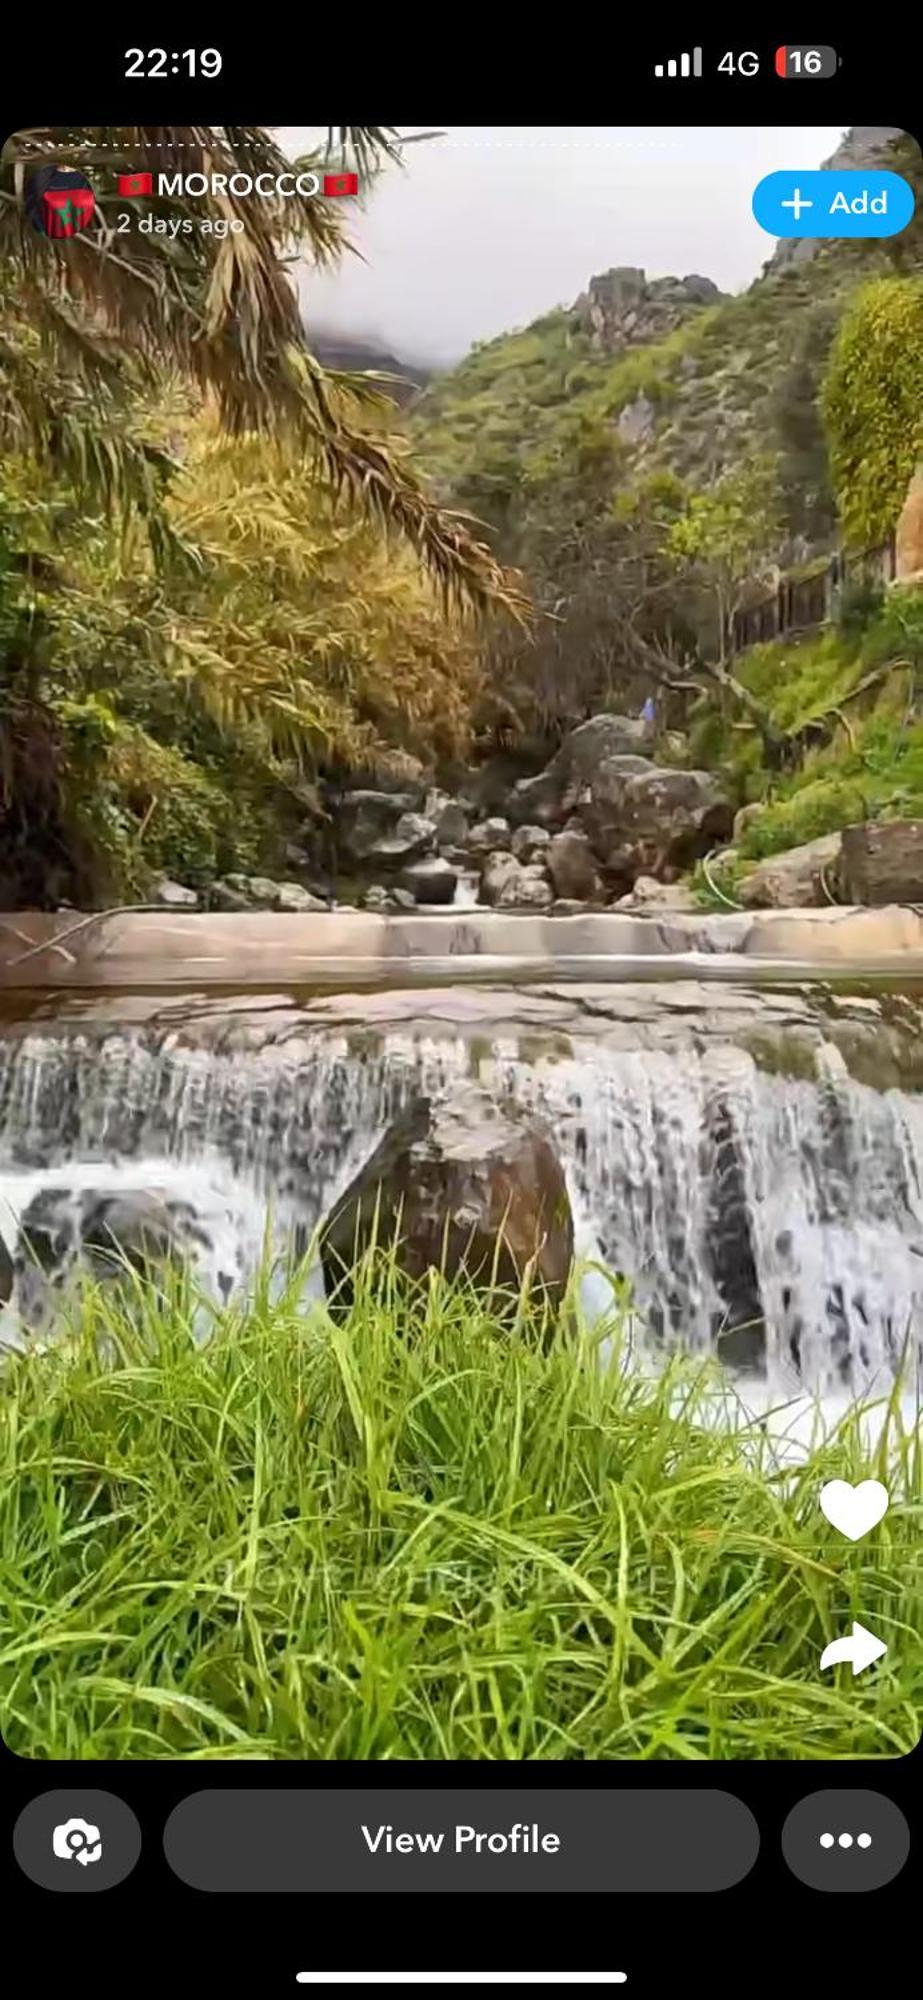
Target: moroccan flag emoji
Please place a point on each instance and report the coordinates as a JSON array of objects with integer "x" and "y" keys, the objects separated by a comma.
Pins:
[
  {"x": 341, "y": 183},
  {"x": 132, "y": 184}
]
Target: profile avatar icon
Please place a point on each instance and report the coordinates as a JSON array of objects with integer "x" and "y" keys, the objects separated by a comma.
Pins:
[{"x": 58, "y": 200}]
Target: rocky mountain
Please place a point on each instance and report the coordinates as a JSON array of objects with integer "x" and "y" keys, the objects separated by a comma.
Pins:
[
  {"x": 645, "y": 375},
  {"x": 623, "y": 308}
]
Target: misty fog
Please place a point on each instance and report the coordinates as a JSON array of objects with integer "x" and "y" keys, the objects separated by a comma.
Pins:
[{"x": 489, "y": 226}]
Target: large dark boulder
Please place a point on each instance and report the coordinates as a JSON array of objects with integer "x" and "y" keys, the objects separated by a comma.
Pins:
[
  {"x": 431, "y": 880},
  {"x": 882, "y": 862},
  {"x": 643, "y": 820},
  {"x": 363, "y": 817},
  {"x": 548, "y": 799},
  {"x": 572, "y": 866},
  {"x": 467, "y": 1185}
]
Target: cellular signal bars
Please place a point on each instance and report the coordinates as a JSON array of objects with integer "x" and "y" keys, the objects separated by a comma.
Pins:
[{"x": 684, "y": 65}]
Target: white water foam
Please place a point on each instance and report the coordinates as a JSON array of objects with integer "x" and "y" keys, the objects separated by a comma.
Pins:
[{"x": 724, "y": 1196}]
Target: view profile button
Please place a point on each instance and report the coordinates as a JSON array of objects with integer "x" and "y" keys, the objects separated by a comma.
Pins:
[
  {"x": 325, "y": 1842},
  {"x": 822, "y": 201}
]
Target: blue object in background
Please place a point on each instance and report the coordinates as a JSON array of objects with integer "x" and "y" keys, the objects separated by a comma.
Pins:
[{"x": 859, "y": 201}]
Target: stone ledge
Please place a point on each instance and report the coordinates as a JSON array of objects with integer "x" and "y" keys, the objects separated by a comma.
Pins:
[{"x": 348, "y": 948}]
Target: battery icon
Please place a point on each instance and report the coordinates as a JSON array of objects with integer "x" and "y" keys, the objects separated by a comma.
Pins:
[{"x": 806, "y": 62}]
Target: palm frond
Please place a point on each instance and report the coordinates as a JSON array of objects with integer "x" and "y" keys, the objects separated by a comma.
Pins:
[
  {"x": 91, "y": 446},
  {"x": 366, "y": 145},
  {"x": 225, "y": 311}
]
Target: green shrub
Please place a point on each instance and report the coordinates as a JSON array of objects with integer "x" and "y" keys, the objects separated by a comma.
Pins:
[
  {"x": 872, "y": 405},
  {"x": 799, "y": 678},
  {"x": 897, "y": 632},
  {"x": 822, "y": 806},
  {"x": 149, "y": 809},
  {"x": 860, "y": 603}
]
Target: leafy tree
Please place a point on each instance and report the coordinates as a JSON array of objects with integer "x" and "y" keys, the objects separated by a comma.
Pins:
[
  {"x": 726, "y": 541},
  {"x": 88, "y": 322},
  {"x": 728, "y": 537},
  {"x": 795, "y": 423},
  {"x": 181, "y": 717},
  {"x": 873, "y": 406}
]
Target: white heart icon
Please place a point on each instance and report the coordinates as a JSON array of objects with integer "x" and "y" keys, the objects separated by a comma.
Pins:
[{"x": 854, "y": 1510}]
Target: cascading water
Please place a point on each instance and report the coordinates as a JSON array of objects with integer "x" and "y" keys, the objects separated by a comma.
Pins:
[
  {"x": 776, "y": 1220},
  {"x": 467, "y": 890}
]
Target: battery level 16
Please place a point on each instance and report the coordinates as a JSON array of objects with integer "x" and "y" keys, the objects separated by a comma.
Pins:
[{"x": 805, "y": 62}]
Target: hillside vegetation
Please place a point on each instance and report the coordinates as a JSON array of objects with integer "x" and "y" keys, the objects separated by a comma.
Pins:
[
  {"x": 650, "y": 483},
  {"x": 525, "y": 413},
  {"x": 855, "y": 689},
  {"x": 229, "y": 576}
]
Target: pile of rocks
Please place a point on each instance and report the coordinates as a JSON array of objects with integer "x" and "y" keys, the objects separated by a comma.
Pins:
[
  {"x": 259, "y": 892},
  {"x": 577, "y": 836},
  {"x": 409, "y": 842},
  {"x": 602, "y": 818},
  {"x": 239, "y": 892}
]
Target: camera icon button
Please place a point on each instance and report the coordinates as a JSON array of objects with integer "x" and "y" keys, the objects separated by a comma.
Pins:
[{"x": 77, "y": 1841}]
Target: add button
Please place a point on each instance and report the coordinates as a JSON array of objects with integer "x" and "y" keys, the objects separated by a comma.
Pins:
[{"x": 857, "y": 202}]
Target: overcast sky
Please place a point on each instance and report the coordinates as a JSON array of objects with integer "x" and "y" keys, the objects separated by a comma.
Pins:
[{"x": 488, "y": 227}]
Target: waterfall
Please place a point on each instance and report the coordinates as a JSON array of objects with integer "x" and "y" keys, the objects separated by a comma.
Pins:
[
  {"x": 467, "y": 890},
  {"x": 773, "y": 1219}
]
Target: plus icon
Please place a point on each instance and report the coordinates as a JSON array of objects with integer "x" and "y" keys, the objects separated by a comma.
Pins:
[{"x": 797, "y": 203}]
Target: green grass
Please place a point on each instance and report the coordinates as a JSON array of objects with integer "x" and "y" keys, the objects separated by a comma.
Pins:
[{"x": 420, "y": 1532}]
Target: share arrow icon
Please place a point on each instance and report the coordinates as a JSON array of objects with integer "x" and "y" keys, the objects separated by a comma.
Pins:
[{"x": 861, "y": 1648}]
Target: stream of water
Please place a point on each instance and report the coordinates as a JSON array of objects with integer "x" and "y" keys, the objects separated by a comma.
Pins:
[{"x": 774, "y": 1219}]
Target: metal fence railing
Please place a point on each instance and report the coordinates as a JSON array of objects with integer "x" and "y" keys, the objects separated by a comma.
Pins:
[{"x": 798, "y": 603}]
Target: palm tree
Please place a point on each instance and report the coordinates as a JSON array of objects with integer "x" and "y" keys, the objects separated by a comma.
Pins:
[{"x": 87, "y": 323}]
